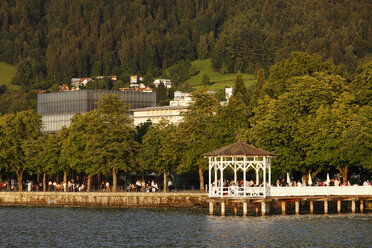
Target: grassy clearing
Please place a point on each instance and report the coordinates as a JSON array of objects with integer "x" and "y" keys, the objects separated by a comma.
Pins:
[
  {"x": 220, "y": 81},
  {"x": 7, "y": 72}
]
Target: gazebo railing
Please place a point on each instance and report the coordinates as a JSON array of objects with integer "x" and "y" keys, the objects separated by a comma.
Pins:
[{"x": 236, "y": 191}]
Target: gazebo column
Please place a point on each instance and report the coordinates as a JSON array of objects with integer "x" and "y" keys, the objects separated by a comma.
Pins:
[
  {"x": 221, "y": 169},
  {"x": 215, "y": 172},
  {"x": 264, "y": 176},
  {"x": 269, "y": 165},
  {"x": 235, "y": 176},
  {"x": 210, "y": 176},
  {"x": 244, "y": 181},
  {"x": 244, "y": 175}
]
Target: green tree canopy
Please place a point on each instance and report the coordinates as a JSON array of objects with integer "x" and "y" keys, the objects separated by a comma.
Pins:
[
  {"x": 161, "y": 149},
  {"x": 198, "y": 133},
  {"x": 16, "y": 132},
  {"x": 278, "y": 123}
]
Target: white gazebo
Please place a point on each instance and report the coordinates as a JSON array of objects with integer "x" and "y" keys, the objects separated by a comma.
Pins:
[{"x": 240, "y": 157}]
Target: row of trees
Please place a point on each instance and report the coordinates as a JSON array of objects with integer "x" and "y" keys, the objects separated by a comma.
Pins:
[
  {"x": 305, "y": 112},
  {"x": 101, "y": 141}
]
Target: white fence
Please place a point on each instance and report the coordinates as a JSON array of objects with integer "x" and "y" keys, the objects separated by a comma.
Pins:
[
  {"x": 320, "y": 191},
  {"x": 235, "y": 191}
]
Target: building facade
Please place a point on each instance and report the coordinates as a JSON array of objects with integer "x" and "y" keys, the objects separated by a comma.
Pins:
[
  {"x": 57, "y": 109},
  {"x": 173, "y": 114}
]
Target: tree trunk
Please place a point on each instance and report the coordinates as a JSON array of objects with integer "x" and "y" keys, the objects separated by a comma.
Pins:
[
  {"x": 45, "y": 182},
  {"x": 8, "y": 184},
  {"x": 201, "y": 178},
  {"x": 114, "y": 180},
  {"x": 65, "y": 177},
  {"x": 89, "y": 182},
  {"x": 165, "y": 181},
  {"x": 343, "y": 171},
  {"x": 20, "y": 179},
  {"x": 98, "y": 181}
]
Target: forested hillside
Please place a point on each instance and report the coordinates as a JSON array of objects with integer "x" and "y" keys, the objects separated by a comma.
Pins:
[{"x": 59, "y": 39}]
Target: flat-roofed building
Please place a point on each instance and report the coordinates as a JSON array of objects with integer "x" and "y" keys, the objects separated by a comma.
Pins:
[
  {"x": 57, "y": 109},
  {"x": 154, "y": 114}
]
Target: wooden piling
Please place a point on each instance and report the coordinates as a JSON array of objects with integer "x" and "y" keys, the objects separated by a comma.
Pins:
[
  {"x": 211, "y": 208},
  {"x": 353, "y": 206},
  {"x": 236, "y": 208},
  {"x": 223, "y": 208},
  {"x": 283, "y": 207},
  {"x": 338, "y": 206},
  {"x": 311, "y": 207},
  {"x": 326, "y": 206},
  {"x": 263, "y": 208},
  {"x": 297, "y": 207},
  {"x": 256, "y": 208},
  {"x": 361, "y": 206},
  {"x": 245, "y": 208}
]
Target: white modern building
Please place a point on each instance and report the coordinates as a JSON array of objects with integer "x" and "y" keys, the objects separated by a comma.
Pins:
[
  {"x": 167, "y": 83},
  {"x": 173, "y": 114},
  {"x": 181, "y": 99}
]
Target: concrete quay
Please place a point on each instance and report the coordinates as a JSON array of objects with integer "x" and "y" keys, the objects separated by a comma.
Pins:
[{"x": 104, "y": 199}]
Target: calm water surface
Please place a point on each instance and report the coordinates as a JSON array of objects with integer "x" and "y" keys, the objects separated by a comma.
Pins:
[{"x": 99, "y": 227}]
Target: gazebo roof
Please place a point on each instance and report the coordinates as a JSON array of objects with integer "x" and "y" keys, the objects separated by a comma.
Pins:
[{"x": 238, "y": 149}]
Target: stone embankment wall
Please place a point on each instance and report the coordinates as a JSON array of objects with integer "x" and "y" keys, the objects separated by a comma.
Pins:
[
  {"x": 104, "y": 199},
  {"x": 134, "y": 199}
]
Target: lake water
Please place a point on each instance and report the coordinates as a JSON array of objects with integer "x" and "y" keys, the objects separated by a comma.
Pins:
[{"x": 100, "y": 227}]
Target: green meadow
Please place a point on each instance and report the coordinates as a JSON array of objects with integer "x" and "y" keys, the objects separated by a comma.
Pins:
[
  {"x": 218, "y": 80},
  {"x": 7, "y": 72}
]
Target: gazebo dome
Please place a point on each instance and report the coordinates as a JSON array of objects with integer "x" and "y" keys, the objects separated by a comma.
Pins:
[{"x": 240, "y": 149}]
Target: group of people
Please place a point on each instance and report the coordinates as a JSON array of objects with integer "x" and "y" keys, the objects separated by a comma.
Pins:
[
  {"x": 142, "y": 186},
  {"x": 332, "y": 182},
  {"x": 228, "y": 183}
]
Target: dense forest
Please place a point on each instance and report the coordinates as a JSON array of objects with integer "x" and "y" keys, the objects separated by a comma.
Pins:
[{"x": 55, "y": 40}]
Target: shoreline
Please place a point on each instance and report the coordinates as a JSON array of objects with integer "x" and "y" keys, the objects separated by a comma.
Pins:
[{"x": 149, "y": 200}]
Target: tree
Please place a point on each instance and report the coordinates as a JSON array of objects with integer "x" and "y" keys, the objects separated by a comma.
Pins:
[
  {"x": 278, "y": 124},
  {"x": 362, "y": 86},
  {"x": 323, "y": 134},
  {"x": 110, "y": 144},
  {"x": 205, "y": 80},
  {"x": 161, "y": 149},
  {"x": 43, "y": 155},
  {"x": 16, "y": 131},
  {"x": 197, "y": 133},
  {"x": 75, "y": 147},
  {"x": 161, "y": 94},
  {"x": 257, "y": 91},
  {"x": 232, "y": 120},
  {"x": 241, "y": 89},
  {"x": 298, "y": 64},
  {"x": 203, "y": 47}
]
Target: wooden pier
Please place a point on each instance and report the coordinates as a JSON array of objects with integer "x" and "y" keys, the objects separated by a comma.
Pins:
[
  {"x": 240, "y": 157},
  {"x": 263, "y": 205}
]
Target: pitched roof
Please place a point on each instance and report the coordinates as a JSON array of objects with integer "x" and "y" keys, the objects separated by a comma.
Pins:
[{"x": 239, "y": 149}]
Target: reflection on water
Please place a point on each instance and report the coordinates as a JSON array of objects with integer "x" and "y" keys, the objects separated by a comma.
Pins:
[{"x": 97, "y": 227}]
